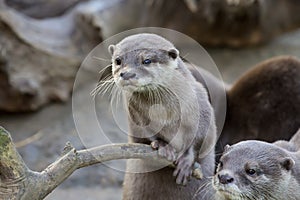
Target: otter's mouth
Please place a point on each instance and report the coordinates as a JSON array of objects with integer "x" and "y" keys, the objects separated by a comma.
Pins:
[
  {"x": 228, "y": 192},
  {"x": 126, "y": 83},
  {"x": 136, "y": 87}
]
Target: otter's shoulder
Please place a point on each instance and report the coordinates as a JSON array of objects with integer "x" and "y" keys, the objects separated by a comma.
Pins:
[
  {"x": 293, "y": 145},
  {"x": 286, "y": 145},
  {"x": 285, "y": 68},
  {"x": 296, "y": 140}
]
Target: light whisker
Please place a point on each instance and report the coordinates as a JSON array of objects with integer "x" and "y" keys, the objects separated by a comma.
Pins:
[{"x": 101, "y": 59}]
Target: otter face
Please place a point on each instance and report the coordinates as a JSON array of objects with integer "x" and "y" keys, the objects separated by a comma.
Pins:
[
  {"x": 142, "y": 69},
  {"x": 252, "y": 170}
]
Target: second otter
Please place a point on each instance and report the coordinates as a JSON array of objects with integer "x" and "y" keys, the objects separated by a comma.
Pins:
[
  {"x": 264, "y": 103},
  {"x": 259, "y": 170}
]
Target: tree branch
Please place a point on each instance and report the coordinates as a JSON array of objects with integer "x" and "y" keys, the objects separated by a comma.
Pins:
[{"x": 19, "y": 182}]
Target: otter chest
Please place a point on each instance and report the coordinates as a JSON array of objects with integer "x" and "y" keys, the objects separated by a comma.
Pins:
[{"x": 154, "y": 117}]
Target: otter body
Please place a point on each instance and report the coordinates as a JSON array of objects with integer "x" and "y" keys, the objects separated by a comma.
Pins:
[
  {"x": 168, "y": 109},
  {"x": 264, "y": 104},
  {"x": 259, "y": 170}
]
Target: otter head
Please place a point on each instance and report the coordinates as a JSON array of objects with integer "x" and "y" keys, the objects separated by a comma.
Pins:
[
  {"x": 143, "y": 61},
  {"x": 253, "y": 170}
]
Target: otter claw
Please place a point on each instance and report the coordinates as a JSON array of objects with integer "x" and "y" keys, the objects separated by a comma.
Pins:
[
  {"x": 155, "y": 144},
  {"x": 183, "y": 170},
  {"x": 164, "y": 150},
  {"x": 167, "y": 152}
]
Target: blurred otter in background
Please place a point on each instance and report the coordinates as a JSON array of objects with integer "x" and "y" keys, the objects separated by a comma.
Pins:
[{"x": 264, "y": 104}]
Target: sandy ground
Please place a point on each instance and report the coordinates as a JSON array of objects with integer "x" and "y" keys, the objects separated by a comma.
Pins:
[{"x": 55, "y": 126}]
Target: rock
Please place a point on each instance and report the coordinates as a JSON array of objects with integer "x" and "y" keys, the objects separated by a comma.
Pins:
[
  {"x": 42, "y": 8},
  {"x": 233, "y": 23},
  {"x": 39, "y": 58}
]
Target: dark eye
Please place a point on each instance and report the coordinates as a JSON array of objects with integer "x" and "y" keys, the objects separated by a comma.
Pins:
[
  {"x": 118, "y": 61},
  {"x": 250, "y": 172},
  {"x": 146, "y": 61}
]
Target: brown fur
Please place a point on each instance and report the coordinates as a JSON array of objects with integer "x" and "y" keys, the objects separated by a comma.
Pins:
[{"x": 264, "y": 103}]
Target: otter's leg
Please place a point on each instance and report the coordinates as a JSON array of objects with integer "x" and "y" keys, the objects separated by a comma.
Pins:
[
  {"x": 184, "y": 166},
  {"x": 164, "y": 150}
]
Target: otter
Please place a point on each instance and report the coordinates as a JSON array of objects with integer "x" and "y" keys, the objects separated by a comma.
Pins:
[
  {"x": 167, "y": 109},
  {"x": 264, "y": 103},
  {"x": 255, "y": 169}
]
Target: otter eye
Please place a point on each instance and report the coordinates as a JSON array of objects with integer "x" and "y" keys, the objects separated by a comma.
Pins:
[
  {"x": 118, "y": 61},
  {"x": 250, "y": 172},
  {"x": 146, "y": 61}
]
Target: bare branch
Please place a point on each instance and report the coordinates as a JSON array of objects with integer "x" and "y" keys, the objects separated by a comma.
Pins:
[{"x": 19, "y": 182}]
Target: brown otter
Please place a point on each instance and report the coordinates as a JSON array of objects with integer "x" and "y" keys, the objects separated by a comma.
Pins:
[
  {"x": 263, "y": 101},
  {"x": 259, "y": 170},
  {"x": 168, "y": 109},
  {"x": 268, "y": 94},
  {"x": 264, "y": 104}
]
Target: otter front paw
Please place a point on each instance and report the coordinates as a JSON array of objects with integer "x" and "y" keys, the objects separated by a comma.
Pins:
[
  {"x": 164, "y": 150},
  {"x": 183, "y": 170}
]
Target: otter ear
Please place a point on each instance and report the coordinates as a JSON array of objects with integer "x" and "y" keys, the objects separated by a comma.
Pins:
[
  {"x": 111, "y": 49},
  {"x": 287, "y": 163},
  {"x": 173, "y": 53},
  {"x": 226, "y": 148}
]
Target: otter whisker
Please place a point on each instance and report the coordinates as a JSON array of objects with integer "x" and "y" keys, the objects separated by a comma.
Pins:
[
  {"x": 184, "y": 57},
  {"x": 206, "y": 184},
  {"x": 151, "y": 95},
  {"x": 104, "y": 83},
  {"x": 94, "y": 92},
  {"x": 103, "y": 87},
  {"x": 109, "y": 89},
  {"x": 101, "y": 59},
  {"x": 116, "y": 96},
  {"x": 103, "y": 80},
  {"x": 219, "y": 154},
  {"x": 159, "y": 94},
  {"x": 167, "y": 94},
  {"x": 104, "y": 68}
]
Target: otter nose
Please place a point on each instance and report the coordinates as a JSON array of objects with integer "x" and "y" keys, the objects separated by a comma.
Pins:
[
  {"x": 225, "y": 178},
  {"x": 127, "y": 75}
]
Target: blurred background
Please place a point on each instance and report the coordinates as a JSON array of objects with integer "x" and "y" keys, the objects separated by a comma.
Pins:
[{"x": 43, "y": 42}]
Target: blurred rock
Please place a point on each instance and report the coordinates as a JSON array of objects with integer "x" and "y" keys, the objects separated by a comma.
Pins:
[
  {"x": 233, "y": 23},
  {"x": 39, "y": 58},
  {"x": 42, "y": 8}
]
